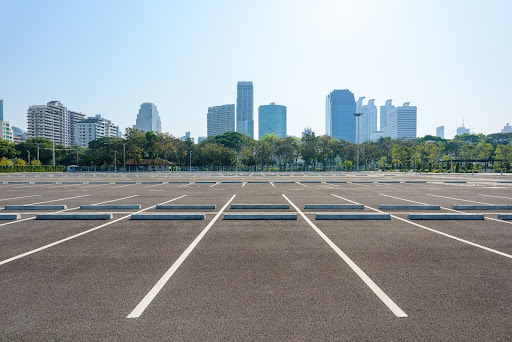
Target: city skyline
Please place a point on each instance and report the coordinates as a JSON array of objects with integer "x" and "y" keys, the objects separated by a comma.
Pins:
[{"x": 434, "y": 65}]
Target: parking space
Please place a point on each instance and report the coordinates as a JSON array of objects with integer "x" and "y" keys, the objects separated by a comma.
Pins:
[{"x": 299, "y": 279}]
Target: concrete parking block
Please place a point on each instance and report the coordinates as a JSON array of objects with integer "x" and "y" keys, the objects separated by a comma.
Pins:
[
  {"x": 446, "y": 217},
  {"x": 35, "y": 207},
  {"x": 96, "y": 216},
  {"x": 9, "y": 217},
  {"x": 334, "y": 206},
  {"x": 260, "y": 206},
  {"x": 353, "y": 216},
  {"x": 260, "y": 216},
  {"x": 482, "y": 207},
  {"x": 505, "y": 216},
  {"x": 185, "y": 206},
  {"x": 167, "y": 217},
  {"x": 109, "y": 206},
  {"x": 409, "y": 207}
]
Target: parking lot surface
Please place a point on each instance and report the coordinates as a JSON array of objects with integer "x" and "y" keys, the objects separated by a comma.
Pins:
[{"x": 289, "y": 277}]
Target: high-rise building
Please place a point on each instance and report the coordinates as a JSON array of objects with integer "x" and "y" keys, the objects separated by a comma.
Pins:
[
  {"x": 402, "y": 122},
  {"x": 53, "y": 121},
  {"x": 384, "y": 115},
  {"x": 440, "y": 132},
  {"x": 367, "y": 121},
  {"x": 245, "y": 108},
  {"x": 200, "y": 139},
  {"x": 186, "y": 136},
  {"x": 1, "y": 110},
  {"x": 307, "y": 130},
  {"x": 462, "y": 130},
  {"x": 340, "y": 122},
  {"x": 148, "y": 118},
  {"x": 94, "y": 128},
  {"x": 272, "y": 119},
  {"x": 507, "y": 129},
  {"x": 19, "y": 134},
  {"x": 220, "y": 119},
  {"x": 6, "y": 131}
]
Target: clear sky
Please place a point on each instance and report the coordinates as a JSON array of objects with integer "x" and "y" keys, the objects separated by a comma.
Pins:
[{"x": 452, "y": 59}]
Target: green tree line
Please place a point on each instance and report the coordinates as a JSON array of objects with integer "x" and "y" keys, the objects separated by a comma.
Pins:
[{"x": 460, "y": 154}]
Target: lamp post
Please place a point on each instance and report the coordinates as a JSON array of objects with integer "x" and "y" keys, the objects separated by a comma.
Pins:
[
  {"x": 190, "y": 163},
  {"x": 124, "y": 157},
  {"x": 38, "y": 152},
  {"x": 115, "y": 161},
  {"x": 28, "y": 157},
  {"x": 357, "y": 115}
]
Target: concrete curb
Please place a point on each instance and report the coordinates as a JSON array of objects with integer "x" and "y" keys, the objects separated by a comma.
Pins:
[
  {"x": 98, "y": 183},
  {"x": 70, "y": 183},
  {"x": 505, "y": 216},
  {"x": 389, "y": 182},
  {"x": 152, "y": 183},
  {"x": 256, "y": 182},
  {"x": 180, "y": 217},
  {"x": 35, "y": 207},
  {"x": 98, "y": 216},
  {"x": 231, "y": 182},
  {"x": 310, "y": 182},
  {"x": 446, "y": 217},
  {"x": 109, "y": 206},
  {"x": 284, "y": 182},
  {"x": 179, "y": 182},
  {"x": 353, "y": 216},
  {"x": 185, "y": 206},
  {"x": 336, "y": 182},
  {"x": 9, "y": 217},
  {"x": 482, "y": 207},
  {"x": 205, "y": 182},
  {"x": 260, "y": 216},
  {"x": 125, "y": 183},
  {"x": 18, "y": 183},
  {"x": 45, "y": 183},
  {"x": 361, "y": 182},
  {"x": 416, "y": 182},
  {"x": 333, "y": 206},
  {"x": 260, "y": 206},
  {"x": 409, "y": 207},
  {"x": 455, "y": 182}
]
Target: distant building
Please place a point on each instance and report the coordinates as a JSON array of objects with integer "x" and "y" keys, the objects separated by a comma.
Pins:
[
  {"x": 186, "y": 136},
  {"x": 94, "y": 128},
  {"x": 402, "y": 122},
  {"x": 307, "y": 130},
  {"x": 53, "y": 121},
  {"x": 245, "y": 108},
  {"x": 375, "y": 136},
  {"x": 340, "y": 122},
  {"x": 507, "y": 129},
  {"x": 384, "y": 115},
  {"x": 462, "y": 130},
  {"x": 367, "y": 121},
  {"x": 272, "y": 119},
  {"x": 148, "y": 118},
  {"x": 6, "y": 131},
  {"x": 200, "y": 139},
  {"x": 440, "y": 132},
  {"x": 19, "y": 135},
  {"x": 220, "y": 119},
  {"x": 1, "y": 110}
]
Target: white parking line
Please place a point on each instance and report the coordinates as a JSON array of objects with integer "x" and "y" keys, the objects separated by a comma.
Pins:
[
  {"x": 139, "y": 309},
  {"x": 61, "y": 199},
  {"x": 244, "y": 184},
  {"x": 271, "y": 183},
  {"x": 211, "y": 186},
  {"x": 304, "y": 185},
  {"x": 79, "y": 234},
  {"x": 152, "y": 186},
  {"x": 495, "y": 196},
  {"x": 458, "y": 199},
  {"x": 368, "y": 281},
  {"x": 433, "y": 230},
  {"x": 8, "y": 199},
  {"x": 61, "y": 211}
]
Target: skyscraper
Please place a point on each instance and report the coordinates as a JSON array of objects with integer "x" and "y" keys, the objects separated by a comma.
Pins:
[
  {"x": 402, "y": 122},
  {"x": 148, "y": 118},
  {"x": 462, "y": 130},
  {"x": 340, "y": 122},
  {"x": 220, "y": 119},
  {"x": 1, "y": 110},
  {"x": 94, "y": 128},
  {"x": 440, "y": 132},
  {"x": 383, "y": 115},
  {"x": 367, "y": 121},
  {"x": 507, "y": 129},
  {"x": 53, "y": 121},
  {"x": 245, "y": 108},
  {"x": 272, "y": 119}
]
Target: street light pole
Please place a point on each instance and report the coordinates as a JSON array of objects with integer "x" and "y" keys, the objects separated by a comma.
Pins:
[
  {"x": 124, "y": 157},
  {"x": 38, "y": 152},
  {"x": 28, "y": 157},
  {"x": 357, "y": 115},
  {"x": 115, "y": 161}
]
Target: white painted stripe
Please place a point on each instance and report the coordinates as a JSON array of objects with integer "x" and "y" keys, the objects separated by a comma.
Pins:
[
  {"x": 152, "y": 186},
  {"x": 144, "y": 303},
  {"x": 61, "y": 211},
  {"x": 60, "y": 199},
  {"x": 438, "y": 232},
  {"x": 368, "y": 281},
  {"x": 304, "y": 185},
  {"x": 244, "y": 184},
  {"x": 79, "y": 234},
  {"x": 8, "y": 199},
  {"x": 271, "y": 183},
  {"x": 510, "y": 198},
  {"x": 458, "y": 199},
  {"x": 211, "y": 186}
]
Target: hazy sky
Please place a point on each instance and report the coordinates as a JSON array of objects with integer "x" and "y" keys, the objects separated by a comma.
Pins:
[{"x": 452, "y": 59}]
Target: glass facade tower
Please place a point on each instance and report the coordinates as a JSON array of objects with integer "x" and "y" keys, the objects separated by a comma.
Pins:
[
  {"x": 1, "y": 110},
  {"x": 148, "y": 118},
  {"x": 272, "y": 119},
  {"x": 245, "y": 109},
  {"x": 340, "y": 122}
]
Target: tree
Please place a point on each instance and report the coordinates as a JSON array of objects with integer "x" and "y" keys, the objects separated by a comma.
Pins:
[
  {"x": 5, "y": 162},
  {"x": 8, "y": 150},
  {"x": 308, "y": 148}
]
